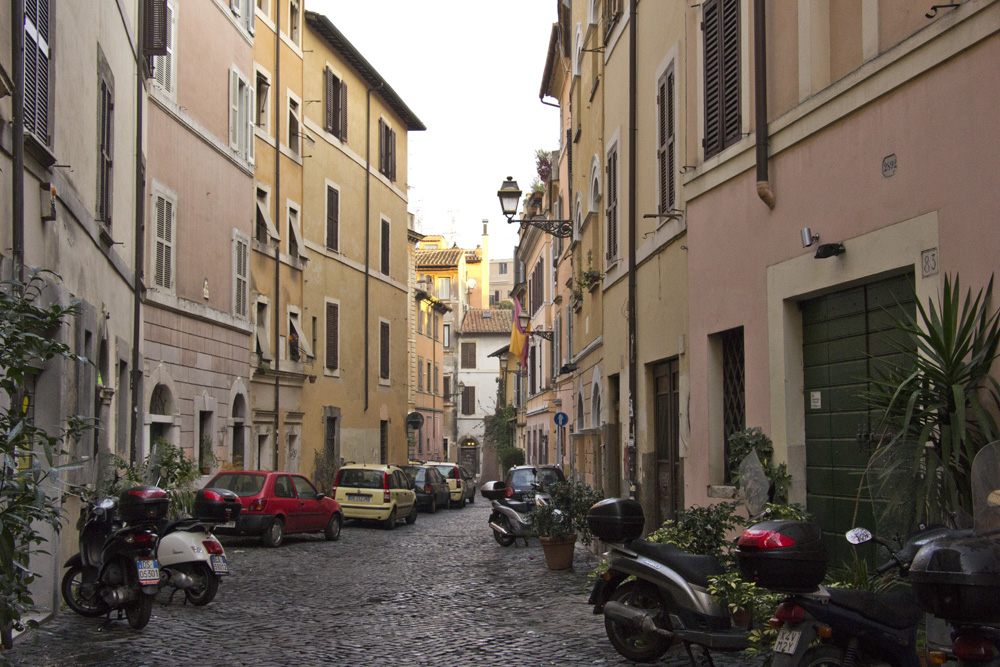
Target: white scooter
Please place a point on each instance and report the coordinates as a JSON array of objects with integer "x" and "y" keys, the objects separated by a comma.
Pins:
[{"x": 191, "y": 558}]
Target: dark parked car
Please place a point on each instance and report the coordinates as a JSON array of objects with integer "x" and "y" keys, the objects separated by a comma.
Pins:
[
  {"x": 430, "y": 486},
  {"x": 276, "y": 504},
  {"x": 521, "y": 480}
]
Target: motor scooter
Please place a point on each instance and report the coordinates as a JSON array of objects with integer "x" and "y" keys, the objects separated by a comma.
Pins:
[
  {"x": 116, "y": 567},
  {"x": 510, "y": 519},
  {"x": 191, "y": 559}
]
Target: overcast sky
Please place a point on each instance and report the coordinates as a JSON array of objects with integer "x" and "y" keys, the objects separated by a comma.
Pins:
[{"x": 471, "y": 71}]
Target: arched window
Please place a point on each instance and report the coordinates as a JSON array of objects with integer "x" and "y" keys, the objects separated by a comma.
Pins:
[
  {"x": 595, "y": 406},
  {"x": 579, "y": 409},
  {"x": 578, "y": 217},
  {"x": 595, "y": 184},
  {"x": 578, "y": 50}
]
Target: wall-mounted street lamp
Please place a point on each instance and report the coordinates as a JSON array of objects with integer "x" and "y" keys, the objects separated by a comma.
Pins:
[
  {"x": 523, "y": 319},
  {"x": 510, "y": 195},
  {"x": 823, "y": 250}
]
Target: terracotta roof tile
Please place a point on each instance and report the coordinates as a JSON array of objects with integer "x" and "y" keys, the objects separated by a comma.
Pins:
[
  {"x": 491, "y": 321},
  {"x": 448, "y": 257}
]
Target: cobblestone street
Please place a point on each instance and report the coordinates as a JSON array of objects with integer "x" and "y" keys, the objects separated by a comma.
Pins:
[{"x": 439, "y": 592}]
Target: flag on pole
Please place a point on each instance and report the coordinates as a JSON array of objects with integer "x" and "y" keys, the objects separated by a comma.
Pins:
[{"x": 519, "y": 337}]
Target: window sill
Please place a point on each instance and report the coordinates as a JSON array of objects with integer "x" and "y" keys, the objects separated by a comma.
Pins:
[{"x": 36, "y": 149}]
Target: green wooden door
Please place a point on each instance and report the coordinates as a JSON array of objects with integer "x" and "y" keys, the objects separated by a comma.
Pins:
[{"x": 846, "y": 336}]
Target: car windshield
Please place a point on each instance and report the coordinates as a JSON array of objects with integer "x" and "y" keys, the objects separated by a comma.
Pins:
[
  {"x": 415, "y": 474},
  {"x": 241, "y": 484},
  {"x": 448, "y": 471},
  {"x": 363, "y": 479},
  {"x": 523, "y": 478}
]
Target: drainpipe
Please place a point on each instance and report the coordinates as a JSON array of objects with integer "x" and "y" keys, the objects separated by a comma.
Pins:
[
  {"x": 633, "y": 380},
  {"x": 140, "y": 239},
  {"x": 368, "y": 229},
  {"x": 17, "y": 99},
  {"x": 277, "y": 249},
  {"x": 764, "y": 190}
]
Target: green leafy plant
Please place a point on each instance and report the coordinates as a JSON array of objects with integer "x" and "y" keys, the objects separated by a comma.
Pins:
[
  {"x": 741, "y": 444},
  {"x": 938, "y": 401},
  {"x": 566, "y": 514},
  {"x": 586, "y": 278},
  {"x": 29, "y": 454},
  {"x": 510, "y": 456},
  {"x": 168, "y": 468}
]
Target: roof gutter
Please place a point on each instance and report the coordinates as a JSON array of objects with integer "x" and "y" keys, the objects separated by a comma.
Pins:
[{"x": 764, "y": 190}]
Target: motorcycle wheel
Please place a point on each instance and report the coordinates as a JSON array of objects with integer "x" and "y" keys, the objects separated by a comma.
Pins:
[
  {"x": 503, "y": 540},
  {"x": 632, "y": 642},
  {"x": 823, "y": 655},
  {"x": 72, "y": 583},
  {"x": 138, "y": 612},
  {"x": 206, "y": 585}
]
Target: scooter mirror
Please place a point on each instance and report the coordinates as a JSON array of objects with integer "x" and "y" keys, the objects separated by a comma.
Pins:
[{"x": 858, "y": 535}]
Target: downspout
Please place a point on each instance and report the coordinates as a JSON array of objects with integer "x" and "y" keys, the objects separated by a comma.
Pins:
[
  {"x": 277, "y": 247},
  {"x": 17, "y": 99},
  {"x": 633, "y": 382},
  {"x": 764, "y": 190},
  {"x": 140, "y": 239},
  {"x": 368, "y": 229}
]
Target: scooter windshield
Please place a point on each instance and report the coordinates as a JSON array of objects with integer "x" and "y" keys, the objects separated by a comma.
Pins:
[{"x": 986, "y": 488}]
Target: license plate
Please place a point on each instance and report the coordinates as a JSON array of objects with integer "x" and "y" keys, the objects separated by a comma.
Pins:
[
  {"x": 219, "y": 565},
  {"x": 228, "y": 524},
  {"x": 787, "y": 641},
  {"x": 149, "y": 571},
  {"x": 358, "y": 499}
]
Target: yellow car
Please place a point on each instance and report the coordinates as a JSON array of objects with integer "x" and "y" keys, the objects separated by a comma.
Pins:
[
  {"x": 460, "y": 482},
  {"x": 375, "y": 492}
]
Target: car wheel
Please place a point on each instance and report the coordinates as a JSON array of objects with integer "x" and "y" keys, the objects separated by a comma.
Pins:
[
  {"x": 434, "y": 505},
  {"x": 275, "y": 534},
  {"x": 332, "y": 530},
  {"x": 412, "y": 517},
  {"x": 206, "y": 585},
  {"x": 390, "y": 523},
  {"x": 461, "y": 503},
  {"x": 472, "y": 498}
]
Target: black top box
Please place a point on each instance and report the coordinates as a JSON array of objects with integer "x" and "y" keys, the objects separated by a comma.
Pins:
[
  {"x": 958, "y": 579},
  {"x": 784, "y": 556},
  {"x": 616, "y": 520},
  {"x": 220, "y": 505},
  {"x": 142, "y": 504}
]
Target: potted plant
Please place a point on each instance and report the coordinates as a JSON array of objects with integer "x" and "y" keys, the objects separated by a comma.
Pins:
[
  {"x": 563, "y": 520},
  {"x": 207, "y": 455}
]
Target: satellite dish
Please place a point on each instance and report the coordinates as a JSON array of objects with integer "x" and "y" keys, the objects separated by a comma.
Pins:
[{"x": 472, "y": 284}]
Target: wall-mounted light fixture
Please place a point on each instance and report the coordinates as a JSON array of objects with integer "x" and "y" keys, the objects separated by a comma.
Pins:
[
  {"x": 808, "y": 238},
  {"x": 824, "y": 250}
]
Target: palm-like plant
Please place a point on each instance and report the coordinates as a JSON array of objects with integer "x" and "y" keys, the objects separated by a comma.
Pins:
[{"x": 938, "y": 403}]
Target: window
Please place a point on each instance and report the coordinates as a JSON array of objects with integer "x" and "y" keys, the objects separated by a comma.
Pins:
[
  {"x": 265, "y": 7},
  {"x": 469, "y": 400},
  {"x": 105, "y": 137},
  {"x": 163, "y": 66},
  {"x": 332, "y": 218},
  {"x": 578, "y": 50},
  {"x": 333, "y": 336},
  {"x": 298, "y": 345},
  {"x": 384, "y": 341},
  {"x": 612, "y": 12},
  {"x": 293, "y": 126},
  {"x": 665, "y": 141},
  {"x": 437, "y": 328},
  {"x": 503, "y": 268},
  {"x": 612, "y": 204},
  {"x": 447, "y": 335},
  {"x": 241, "y": 104},
  {"x": 428, "y": 376},
  {"x": 241, "y": 273},
  {"x": 296, "y": 247},
  {"x": 595, "y": 184},
  {"x": 721, "y": 33},
  {"x": 165, "y": 210},
  {"x": 420, "y": 373},
  {"x": 264, "y": 227},
  {"x": 262, "y": 115},
  {"x": 294, "y": 20},
  {"x": 468, "y": 355},
  {"x": 387, "y": 150},
  {"x": 335, "y": 105},
  {"x": 495, "y": 297},
  {"x": 36, "y": 69},
  {"x": 385, "y": 247},
  {"x": 444, "y": 288},
  {"x": 243, "y": 11},
  {"x": 446, "y": 383},
  {"x": 733, "y": 386},
  {"x": 420, "y": 317},
  {"x": 437, "y": 375},
  {"x": 262, "y": 338}
]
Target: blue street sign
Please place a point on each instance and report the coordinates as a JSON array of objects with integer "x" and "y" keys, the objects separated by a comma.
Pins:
[{"x": 561, "y": 418}]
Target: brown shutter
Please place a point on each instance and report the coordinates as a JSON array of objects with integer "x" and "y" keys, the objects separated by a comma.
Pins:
[
  {"x": 392, "y": 145},
  {"x": 384, "y": 350},
  {"x": 385, "y": 247},
  {"x": 713, "y": 76},
  {"x": 671, "y": 165},
  {"x": 332, "y": 336},
  {"x": 154, "y": 29},
  {"x": 469, "y": 401},
  {"x": 382, "y": 161},
  {"x": 332, "y": 218},
  {"x": 612, "y": 221},
  {"x": 328, "y": 97},
  {"x": 730, "y": 39},
  {"x": 468, "y": 355},
  {"x": 343, "y": 111}
]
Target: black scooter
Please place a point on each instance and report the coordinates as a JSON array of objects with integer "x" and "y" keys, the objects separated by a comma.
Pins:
[{"x": 116, "y": 568}]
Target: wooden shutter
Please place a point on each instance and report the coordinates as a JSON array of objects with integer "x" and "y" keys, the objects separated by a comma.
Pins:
[
  {"x": 36, "y": 68},
  {"x": 731, "y": 127},
  {"x": 382, "y": 160},
  {"x": 468, "y": 355},
  {"x": 234, "y": 110},
  {"x": 164, "y": 243},
  {"x": 665, "y": 147},
  {"x": 242, "y": 277},
  {"x": 721, "y": 28},
  {"x": 163, "y": 64},
  {"x": 251, "y": 102},
  {"x": 106, "y": 149},
  {"x": 392, "y": 153},
  {"x": 384, "y": 350},
  {"x": 332, "y": 336},
  {"x": 612, "y": 211},
  {"x": 385, "y": 247},
  {"x": 469, "y": 401},
  {"x": 328, "y": 94},
  {"x": 332, "y": 218},
  {"x": 343, "y": 111},
  {"x": 154, "y": 29}
]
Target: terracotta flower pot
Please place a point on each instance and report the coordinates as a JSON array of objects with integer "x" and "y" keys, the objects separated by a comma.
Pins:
[{"x": 558, "y": 551}]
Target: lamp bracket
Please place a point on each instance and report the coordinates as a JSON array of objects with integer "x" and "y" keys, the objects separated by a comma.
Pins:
[{"x": 560, "y": 228}]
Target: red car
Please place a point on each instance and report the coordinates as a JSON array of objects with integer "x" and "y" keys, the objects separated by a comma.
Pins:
[{"x": 276, "y": 504}]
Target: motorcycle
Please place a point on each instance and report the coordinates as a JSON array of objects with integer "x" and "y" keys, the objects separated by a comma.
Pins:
[
  {"x": 958, "y": 579},
  {"x": 116, "y": 568},
  {"x": 510, "y": 518}
]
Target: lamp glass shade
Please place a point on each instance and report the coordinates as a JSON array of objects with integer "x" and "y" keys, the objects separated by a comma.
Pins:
[
  {"x": 509, "y": 195},
  {"x": 523, "y": 319}
]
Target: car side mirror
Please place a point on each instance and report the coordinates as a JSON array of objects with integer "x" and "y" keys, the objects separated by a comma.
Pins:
[{"x": 320, "y": 496}]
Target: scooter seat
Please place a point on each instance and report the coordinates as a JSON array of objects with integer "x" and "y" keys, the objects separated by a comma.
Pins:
[
  {"x": 519, "y": 506},
  {"x": 166, "y": 526},
  {"x": 897, "y": 610},
  {"x": 696, "y": 569}
]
